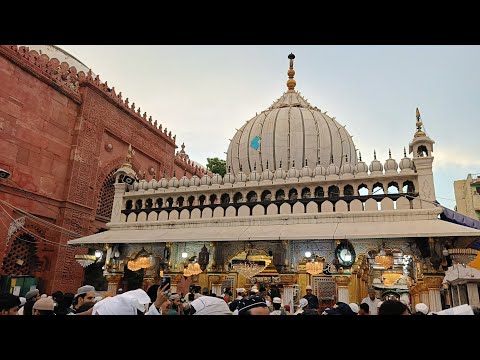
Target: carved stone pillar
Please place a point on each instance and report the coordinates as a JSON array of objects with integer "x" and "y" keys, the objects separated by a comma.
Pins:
[
  {"x": 434, "y": 285},
  {"x": 216, "y": 284},
  {"x": 118, "y": 202},
  {"x": 455, "y": 295},
  {"x": 113, "y": 281},
  {"x": 472, "y": 291},
  {"x": 342, "y": 288}
]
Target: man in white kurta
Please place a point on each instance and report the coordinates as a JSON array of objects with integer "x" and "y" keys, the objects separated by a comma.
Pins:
[{"x": 372, "y": 302}]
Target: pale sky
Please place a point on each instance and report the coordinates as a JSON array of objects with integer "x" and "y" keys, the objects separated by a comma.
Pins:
[{"x": 203, "y": 93}]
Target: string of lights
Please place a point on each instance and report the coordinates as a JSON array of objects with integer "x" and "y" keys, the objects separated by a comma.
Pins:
[
  {"x": 41, "y": 221},
  {"x": 33, "y": 234}
]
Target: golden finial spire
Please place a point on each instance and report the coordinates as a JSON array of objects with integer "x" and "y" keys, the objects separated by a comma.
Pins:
[
  {"x": 128, "y": 158},
  {"x": 291, "y": 73},
  {"x": 419, "y": 125}
]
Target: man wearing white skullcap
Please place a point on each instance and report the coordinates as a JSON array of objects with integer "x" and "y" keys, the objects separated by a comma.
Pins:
[
  {"x": 277, "y": 304},
  {"x": 301, "y": 306},
  {"x": 354, "y": 306},
  {"x": 421, "y": 309}
]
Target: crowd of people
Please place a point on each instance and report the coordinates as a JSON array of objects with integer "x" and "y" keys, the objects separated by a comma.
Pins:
[{"x": 161, "y": 301}]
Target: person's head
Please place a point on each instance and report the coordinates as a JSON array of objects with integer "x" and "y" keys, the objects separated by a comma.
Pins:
[
  {"x": 33, "y": 295},
  {"x": 287, "y": 308},
  {"x": 119, "y": 291},
  {"x": 371, "y": 293},
  {"x": 393, "y": 307},
  {"x": 310, "y": 312},
  {"x": 253, "y": 305},
  {"x": 354, "y": 307},
  {"x": 68, "y": 299},
  {"x": 58, "y": 297},
  {"x": 207, "y": 305},
  {"x": 421, "y": 309},
  {"x": 9, "y": 304},
  {"x": 364, "y": 309},
  {"x": 277, "y": 303},
  {"x": 175, "y": 300},
  {"x": 43, "y": 306},
  {"x": 303, "y": 303},
  {"x": 152, "y": 292},
  {"x": 84, "y": 294},
  {"x": 309, "y": 289}
]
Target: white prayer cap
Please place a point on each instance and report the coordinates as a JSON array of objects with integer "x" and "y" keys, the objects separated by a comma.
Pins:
[
  {"x": 43, "y": 296},
  {"x": 22, "y": 301},
  {"x": 303, "y": 303},
  {"x": 309, "y": 287},
  {"x": 277, "y": 300},
  {"x": 209, "y": 305},
  {"x": 240, "y": 290},
  {"x": 124, "y": 304},
  {"x": 354, "y": 307},
  {"x": 421, "y": 307}
]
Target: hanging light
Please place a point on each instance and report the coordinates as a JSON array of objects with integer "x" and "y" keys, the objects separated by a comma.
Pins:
[
  {"x": 384, "y": 260},
  {"x": 184, "y": 255},
  {"x": 315, "y": 266},
  {"x": 308, "y": 254},
  {"x": 143, "y": 260},
  {"x": 85, "y": 260},
  {"x": 203, "y": 257},
  {"x": 98, "y": 254}
]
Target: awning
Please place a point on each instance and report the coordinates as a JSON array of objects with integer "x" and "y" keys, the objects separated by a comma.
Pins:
[
  {"x": 460, "y": 219},
  {"x": 321, "y": 231}
]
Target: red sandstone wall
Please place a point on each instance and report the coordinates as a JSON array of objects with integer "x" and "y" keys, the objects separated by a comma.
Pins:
[{"x": 56, "y": 128}]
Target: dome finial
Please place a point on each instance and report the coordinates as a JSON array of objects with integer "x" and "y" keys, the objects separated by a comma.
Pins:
[
  {"x": 404, "y": 152},
  {"x": 374, "y": 155},
  {"x": 389, "y": 153},
  {"x": 419, "y": 125},
  {"x": 291, "y": 73},
  {"x": 331, "y": 159},
  {"x": 293, "y": 164},
  {"x": 267, "y": 164},
  {"x": 306, "y": 162},
  {"x": 359, "y": 155},
  {"x": 255, "y": 166}
]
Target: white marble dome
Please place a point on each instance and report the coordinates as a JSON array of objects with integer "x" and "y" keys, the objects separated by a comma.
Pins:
[
  {"x": 290, "y": 129},
  {"x": 406, "y": 163},
  {"x": 390, "y": 164}
]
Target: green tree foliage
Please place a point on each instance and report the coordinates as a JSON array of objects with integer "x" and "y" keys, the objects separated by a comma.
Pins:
[{"x": 217, "y": 166}]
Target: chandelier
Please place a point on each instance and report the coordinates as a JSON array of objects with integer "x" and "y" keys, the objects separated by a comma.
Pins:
[
  {"x": 247, "y": 268},
  {"x": 143, "y": 260},
  {"x": 85, "y": 260},
  {"x": 315, "y": 266},
  {"x": 192, "y": 269},
  {"x": 462, "y": 256},
  {"x": 384, "y": 260}
]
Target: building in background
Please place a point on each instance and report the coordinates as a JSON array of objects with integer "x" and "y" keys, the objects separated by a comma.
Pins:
[
  {"x": 63, "y": 135},
  {"x": 467, "y": 196}
]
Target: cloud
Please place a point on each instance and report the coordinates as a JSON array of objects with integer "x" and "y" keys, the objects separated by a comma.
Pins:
[{"x": 451, "y": 157}]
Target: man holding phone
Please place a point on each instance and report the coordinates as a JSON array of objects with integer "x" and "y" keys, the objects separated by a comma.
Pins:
[{"x": 159, "y": 306}]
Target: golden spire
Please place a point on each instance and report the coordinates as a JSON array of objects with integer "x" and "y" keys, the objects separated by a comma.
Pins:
[
  {"x": 419, "y": 125},
  {"x": 291, "y": 73},
  {"x": 128, "y": 159}
]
